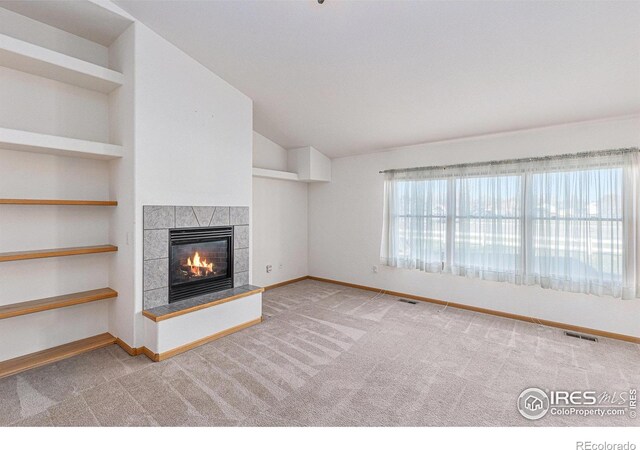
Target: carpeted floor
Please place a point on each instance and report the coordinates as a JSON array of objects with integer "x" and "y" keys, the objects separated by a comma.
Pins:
[{"x": 328, "y": 355}]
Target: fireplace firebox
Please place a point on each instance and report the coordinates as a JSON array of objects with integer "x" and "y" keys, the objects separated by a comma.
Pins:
[{"x": 200, "y": 261}]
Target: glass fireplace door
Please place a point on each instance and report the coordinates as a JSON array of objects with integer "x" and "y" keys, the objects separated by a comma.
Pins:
[{"x": 200, "y": 261}]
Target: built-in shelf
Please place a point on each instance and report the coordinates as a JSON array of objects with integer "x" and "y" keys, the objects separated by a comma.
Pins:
[
  {"x": 32, "y": 201},
  {"x": 61, "y": 301},
  {"x": 274, "y": 174},
  {"x": 28, "y": 141},
  {"x": 37, "y": 359},
  {"x": 95, "y": 20},
  {"x": 27, "y": 50},
  {"x": 55, "y": 252},
  {"x": 40, "y": 61}
]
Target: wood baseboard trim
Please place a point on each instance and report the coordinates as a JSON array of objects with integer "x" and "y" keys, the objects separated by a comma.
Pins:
[
  {"x": 284, "y": 283},
  {"x": 549, "y": 323},
  {"x": 55, "y": 354},
  {"x": 133, "y": 351},
  {"x": 205, "y": 340},
  {"x": 149, "y": 354}
]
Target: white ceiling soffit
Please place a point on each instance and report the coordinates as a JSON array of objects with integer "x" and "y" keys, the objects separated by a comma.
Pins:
[
  {"x": 84, "y": 18},
  {"x": 353, "y": 77}
]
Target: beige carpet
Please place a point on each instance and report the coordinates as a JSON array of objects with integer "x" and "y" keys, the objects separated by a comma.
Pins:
[{"x": 328, "y": 355}]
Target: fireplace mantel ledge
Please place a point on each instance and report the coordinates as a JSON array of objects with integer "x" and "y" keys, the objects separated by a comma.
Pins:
[{"x": 187, "y": 306}]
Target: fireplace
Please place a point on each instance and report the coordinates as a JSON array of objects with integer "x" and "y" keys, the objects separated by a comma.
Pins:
[{"x": 200, "y": 261}]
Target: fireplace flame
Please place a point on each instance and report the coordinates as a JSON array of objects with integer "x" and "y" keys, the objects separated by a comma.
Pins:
[{"x": 199, "y": 267}]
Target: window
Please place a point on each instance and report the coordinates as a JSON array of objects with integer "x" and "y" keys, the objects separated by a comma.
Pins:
[
  {"x": 419, "y": 224},
  {"x": 576, "y": 230},
  {"x": 566, "y": 223},
  {"x": 488, "y": 227}
]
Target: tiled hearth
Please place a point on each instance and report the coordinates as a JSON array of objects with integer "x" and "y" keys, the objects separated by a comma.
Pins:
[
  {"x": 200, "y": 302},
  {"x": 158, "y": 220}
]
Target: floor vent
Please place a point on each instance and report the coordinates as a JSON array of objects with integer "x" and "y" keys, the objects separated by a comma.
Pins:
[
  {"x": 580, "y": 336},
  {"x": 404, "y": 300}
]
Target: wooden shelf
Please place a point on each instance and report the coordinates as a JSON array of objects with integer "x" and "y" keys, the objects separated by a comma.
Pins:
[
  {"x": 27, "y": 141},
  {"x": 55, "y": 252},
  {"x": 62, "y": 301},
  {"x": 40, "y": 61},
  {"x": 29, "y": 201},
  {"x": 275, "y": 174},
  {"x": 37, "y": 359}
]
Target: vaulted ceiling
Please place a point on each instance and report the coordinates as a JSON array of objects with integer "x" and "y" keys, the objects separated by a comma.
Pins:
[{"x": 352, "y": 77}]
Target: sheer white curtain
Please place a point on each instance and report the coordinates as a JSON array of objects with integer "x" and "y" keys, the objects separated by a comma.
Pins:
[
  {"x": 487, "y": 237},
  {"x": 631, "y": 226},
  {"x": 567, "y": 223},
  {"x": 582, "y": 236},
  {"x": 416, "y": 223}
]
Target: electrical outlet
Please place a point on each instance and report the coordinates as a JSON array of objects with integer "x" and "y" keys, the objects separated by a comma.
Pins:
[
  {"x": 280, "y": 266},
  {"x": 374, "y": 269},
  {"x": 269, "y": 268}
]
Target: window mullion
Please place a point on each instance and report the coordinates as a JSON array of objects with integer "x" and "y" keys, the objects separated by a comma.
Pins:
[{"x": 451, "y": 205}]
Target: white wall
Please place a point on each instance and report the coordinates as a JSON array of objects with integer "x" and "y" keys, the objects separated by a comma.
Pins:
[
  {"x": 193, "y": 130},
  {"x": 29, "y": 30},
  {"x": 50, "y": 107},
  {"x": 279, "y": 230},
  {"x": 122, "y": 272},
  {"x": 267, "y": 154},
  {"x": 279, "y": 217},
  {"x": 193, "y": 139},
  {"x": 345, "y": 224}
]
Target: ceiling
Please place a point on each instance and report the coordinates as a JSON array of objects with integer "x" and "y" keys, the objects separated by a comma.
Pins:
[{"x": 352, "y": 77}]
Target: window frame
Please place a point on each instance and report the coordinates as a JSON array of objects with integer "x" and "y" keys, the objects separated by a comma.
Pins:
[{"x": 526, "y": 217}]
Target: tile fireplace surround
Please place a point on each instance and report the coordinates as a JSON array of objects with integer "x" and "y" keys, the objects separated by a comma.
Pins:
[{"x": 158, "y": 220}]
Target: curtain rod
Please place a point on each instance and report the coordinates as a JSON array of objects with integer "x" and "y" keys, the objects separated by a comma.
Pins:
[{"x": 618, "y": 151}]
